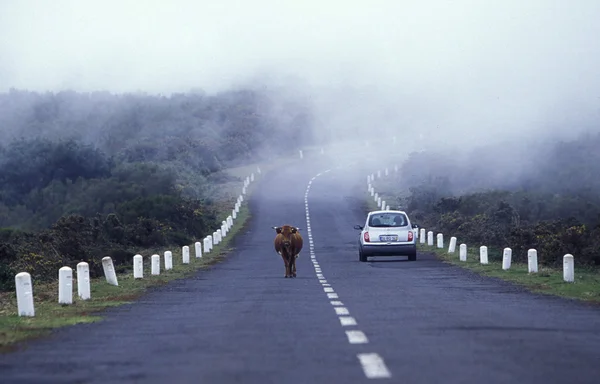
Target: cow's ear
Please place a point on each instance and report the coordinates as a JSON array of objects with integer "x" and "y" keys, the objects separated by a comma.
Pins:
[
  {"x": 277, "y": 229},
  {"x": 293, "y": 230}
]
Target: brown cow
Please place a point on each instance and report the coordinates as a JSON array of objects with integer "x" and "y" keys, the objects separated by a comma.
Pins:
[{"x": 288, "y": 243}]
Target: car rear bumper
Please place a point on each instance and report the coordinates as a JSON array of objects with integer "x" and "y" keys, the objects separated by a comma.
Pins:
[{"x": 388, "y": 250}]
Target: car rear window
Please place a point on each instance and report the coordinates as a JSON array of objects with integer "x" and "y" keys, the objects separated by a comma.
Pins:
[{"x": 388, "y": 219}]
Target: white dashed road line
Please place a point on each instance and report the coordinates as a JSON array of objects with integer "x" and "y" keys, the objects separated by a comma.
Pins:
[
  {"x": 372, "y": 364},
  {"x": 347, "y": 321},
  {"x": 357, "y": 337},
  {"x": 341, "y": 311}
]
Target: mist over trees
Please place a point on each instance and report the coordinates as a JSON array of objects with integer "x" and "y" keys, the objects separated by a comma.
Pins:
[
  {"x": 221, "y": 129},
  {"x": 543, "y": 195},
  {"x": 86, "y": 175}
]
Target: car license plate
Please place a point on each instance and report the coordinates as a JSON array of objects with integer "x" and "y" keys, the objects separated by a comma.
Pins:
[{"x": 388, "y": 238}]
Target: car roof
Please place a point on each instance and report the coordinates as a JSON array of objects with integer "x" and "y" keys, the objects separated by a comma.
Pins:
[{"x": 384, "y": 211}]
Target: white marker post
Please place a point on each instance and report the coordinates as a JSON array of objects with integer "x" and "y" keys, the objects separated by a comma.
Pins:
[
  {"x": 155, "y": 264},
  {"x": 462, "y": 252},
  {"x": 83, "y": 281},
  {"x": 198, "y": 249},
  {"x": 422, "y": 235},
  {"x": 483, "y": 255},
  {"x": 138, "y": 267},
  {"x": 440, "y": 240},
  {"x": 206, "y": 245},
  {"x": 452, "y": 246},
  {"x": 24, "y": 294},
  {"x": 430, "y": 238},
  {"x": 568, "y": 268},
  {"x": 109, "y": 271},
  {"x": 65, "y": 285},
  {"x": 506, "y": 258},
  {"x": 224, "y": 229},
  {"x": 532, "y": 261},
  {"x": 168, "y": 255},
  {"x": 185, "y": 254}
]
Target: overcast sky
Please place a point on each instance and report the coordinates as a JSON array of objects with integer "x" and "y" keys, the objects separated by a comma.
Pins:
[{"x": 500, "y": 60}]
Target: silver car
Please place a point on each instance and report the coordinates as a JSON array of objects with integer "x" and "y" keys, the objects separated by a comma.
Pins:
[{"x": 387, "y": 233}]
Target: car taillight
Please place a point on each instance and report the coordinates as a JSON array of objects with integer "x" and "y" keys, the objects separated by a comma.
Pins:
[
  {"x": 366, "y": 237},
  {"x": 410, "y": 235}
]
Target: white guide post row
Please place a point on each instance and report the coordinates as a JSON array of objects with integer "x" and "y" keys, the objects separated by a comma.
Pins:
[
  {"x": 427, "y": 237},
  {"x": 24, "y": 283}
]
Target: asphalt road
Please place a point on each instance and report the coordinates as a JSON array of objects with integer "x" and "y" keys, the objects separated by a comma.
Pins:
[{"x": 339, "y": 321}]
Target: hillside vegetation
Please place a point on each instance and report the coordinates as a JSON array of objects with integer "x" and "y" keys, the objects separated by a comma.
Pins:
[
  {"x": 83, "y": 176},
  {"x": 530, "y": 195}
]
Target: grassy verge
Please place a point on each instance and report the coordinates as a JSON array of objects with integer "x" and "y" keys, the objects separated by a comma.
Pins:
[
  {"x": 547, "y": 281},
  {"x": 49, "y": 314}
]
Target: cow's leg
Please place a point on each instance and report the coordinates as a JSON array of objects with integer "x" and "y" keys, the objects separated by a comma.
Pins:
[
  {"x": 293, "y": 266},
  {"x": 287, "y": 266}
]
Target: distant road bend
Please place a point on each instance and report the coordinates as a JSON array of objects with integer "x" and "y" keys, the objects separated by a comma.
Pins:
[{"x": 339, "y": 321}]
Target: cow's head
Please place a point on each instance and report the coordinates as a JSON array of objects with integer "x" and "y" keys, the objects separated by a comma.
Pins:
[{"x": 286, "y": 231}]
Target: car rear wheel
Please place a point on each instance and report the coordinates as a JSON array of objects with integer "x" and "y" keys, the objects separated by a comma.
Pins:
[
  {"x": 362, "y": 257},
  {"x": 412, "y": 257}
]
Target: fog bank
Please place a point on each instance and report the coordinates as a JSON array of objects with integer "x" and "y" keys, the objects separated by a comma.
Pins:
[{"x": 460, "y": 72}]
